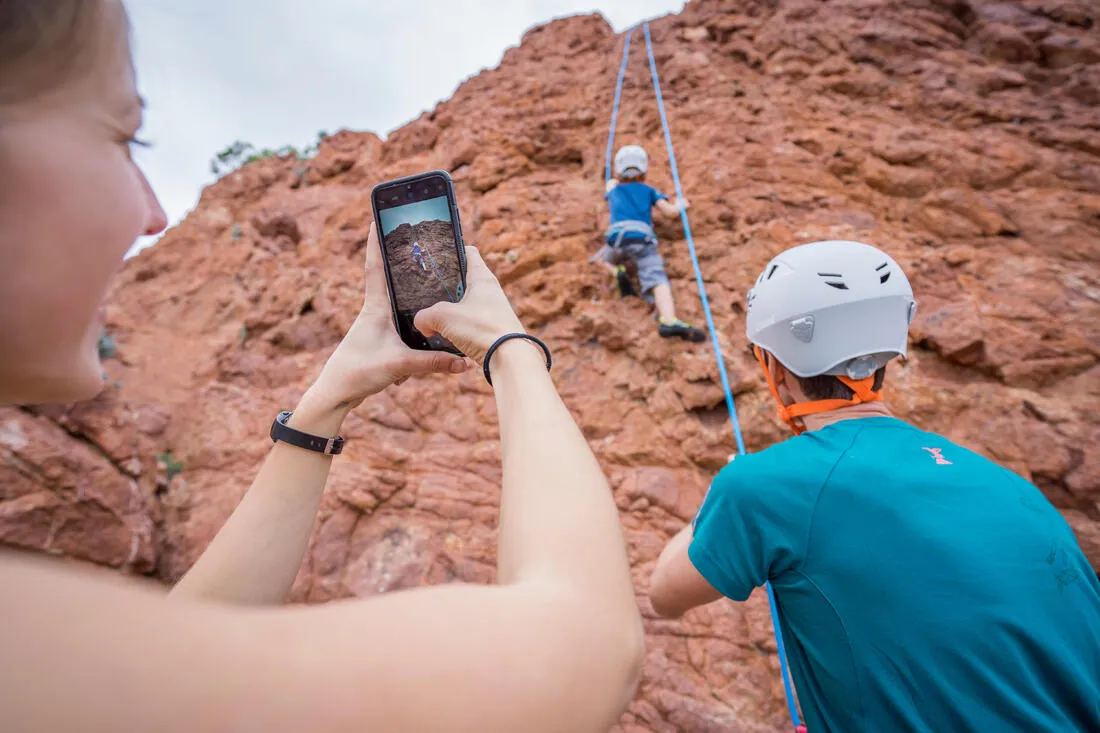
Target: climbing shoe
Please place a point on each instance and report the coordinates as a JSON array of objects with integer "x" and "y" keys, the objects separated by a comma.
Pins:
[
  {"x": 623, "y": 287},
  {"x": 678, "y": 329}
]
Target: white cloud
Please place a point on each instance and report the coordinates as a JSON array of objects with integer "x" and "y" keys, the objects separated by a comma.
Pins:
[{"x": 275, "y": 72}]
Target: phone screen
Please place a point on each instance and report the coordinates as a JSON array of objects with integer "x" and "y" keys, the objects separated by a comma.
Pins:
[{"x": 420, "y": 244}]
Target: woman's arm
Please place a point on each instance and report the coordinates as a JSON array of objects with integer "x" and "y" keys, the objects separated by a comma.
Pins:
[
  {"x": 449, "y": 659},
  {"x": 556, "y": 647},
  {"x": 255, "y": 556}
]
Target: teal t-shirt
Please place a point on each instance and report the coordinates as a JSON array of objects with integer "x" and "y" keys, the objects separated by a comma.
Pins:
[{"x": 920, "y": 586}]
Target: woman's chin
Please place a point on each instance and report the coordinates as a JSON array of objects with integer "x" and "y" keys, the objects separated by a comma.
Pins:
[{"x": 80, "y": 381}]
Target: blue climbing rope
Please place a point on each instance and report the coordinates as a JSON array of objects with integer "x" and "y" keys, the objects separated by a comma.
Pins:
[
  {"x": 440, "y": 278},
  {"x": 781, "y": 648},
  {"x": 791, "y": 704},
  {"x": 691, "y": 248},
  {"x": 615, "y": 106}
]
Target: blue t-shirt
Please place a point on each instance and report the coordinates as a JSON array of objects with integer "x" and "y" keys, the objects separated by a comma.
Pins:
[
  {"x": 633, "y": 202},
  {"x": 921, "y": 587}
]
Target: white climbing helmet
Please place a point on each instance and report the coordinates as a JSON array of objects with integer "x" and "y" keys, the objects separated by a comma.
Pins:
[
  {"x": 631, "y": 158},
  {"x": 835, "y": 307}
]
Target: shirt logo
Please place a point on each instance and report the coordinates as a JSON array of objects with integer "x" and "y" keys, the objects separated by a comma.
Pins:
[{"x": 937, "y": 453}]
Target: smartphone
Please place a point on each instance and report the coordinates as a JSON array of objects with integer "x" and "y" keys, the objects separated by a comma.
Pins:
[{"x": 422, "y": 250}]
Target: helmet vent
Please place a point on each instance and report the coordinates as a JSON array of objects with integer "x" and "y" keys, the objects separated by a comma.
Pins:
[
  {"x": 771, "y": 272},
  {"x": 837, "y": 281},
  {"x": 884, "y": 269}
]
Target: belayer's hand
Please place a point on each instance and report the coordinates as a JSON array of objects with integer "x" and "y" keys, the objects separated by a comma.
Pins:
[
  {"x": 372, "y": 356},
  {"x": 480, "y": 318}
]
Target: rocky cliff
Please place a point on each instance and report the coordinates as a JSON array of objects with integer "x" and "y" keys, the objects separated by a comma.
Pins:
[{"x": 962, "y": 136}]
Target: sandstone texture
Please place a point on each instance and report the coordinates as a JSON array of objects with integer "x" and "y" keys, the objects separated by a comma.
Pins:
[{"x": 961, "y": 136}]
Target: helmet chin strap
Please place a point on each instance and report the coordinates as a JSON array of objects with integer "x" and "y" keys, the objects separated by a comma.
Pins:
[{"x": 793, "y": 414}]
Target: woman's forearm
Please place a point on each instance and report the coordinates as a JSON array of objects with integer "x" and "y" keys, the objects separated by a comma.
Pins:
[
  {"x": 558, "y": 519},
  {"x": 255, "y": 557}
]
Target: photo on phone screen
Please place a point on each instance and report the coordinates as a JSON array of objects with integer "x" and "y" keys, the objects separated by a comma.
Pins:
[{"x": 421, "y": 250}]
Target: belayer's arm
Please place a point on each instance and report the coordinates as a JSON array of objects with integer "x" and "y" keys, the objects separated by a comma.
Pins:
[{"x": 676, "y": 586}]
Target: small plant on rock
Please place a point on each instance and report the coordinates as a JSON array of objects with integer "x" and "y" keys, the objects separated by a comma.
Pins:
[
  {"x": 107, "y": 346},
  {"x": 172, "y": 467}
]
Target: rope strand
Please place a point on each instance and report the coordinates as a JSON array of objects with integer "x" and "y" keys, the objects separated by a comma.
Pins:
[{"x": 788, "y": 687}]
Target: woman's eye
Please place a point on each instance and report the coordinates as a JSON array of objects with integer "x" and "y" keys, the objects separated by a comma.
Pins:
[{"x": 135, "y": 142}]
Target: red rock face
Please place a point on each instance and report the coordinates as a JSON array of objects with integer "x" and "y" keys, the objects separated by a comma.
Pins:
[{"x": 960, "y": 136}]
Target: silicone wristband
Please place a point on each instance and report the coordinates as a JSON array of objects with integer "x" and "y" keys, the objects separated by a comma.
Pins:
[{"x": 508, "y": 337}]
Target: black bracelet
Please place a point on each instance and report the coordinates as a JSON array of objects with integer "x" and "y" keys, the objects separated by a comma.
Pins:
[
  {"x": 281, "y": 431},
  {"x": 508, "y": 337}
]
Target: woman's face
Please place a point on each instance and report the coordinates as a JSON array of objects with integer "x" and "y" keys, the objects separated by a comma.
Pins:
[{"x": 72, "y": 203}]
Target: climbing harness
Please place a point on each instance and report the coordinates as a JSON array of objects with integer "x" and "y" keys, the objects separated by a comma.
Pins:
[
  {"x": 619, "y": 230},
  {"x": 788, "y": 687}
]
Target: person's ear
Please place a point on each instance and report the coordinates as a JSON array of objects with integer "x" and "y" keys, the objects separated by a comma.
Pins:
[{"x": 782, "y": 379}]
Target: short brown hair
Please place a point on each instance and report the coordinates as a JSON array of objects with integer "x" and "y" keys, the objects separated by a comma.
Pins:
[
  {"x": 828, "y": 387},
  {"x": 46, "y": 43}
]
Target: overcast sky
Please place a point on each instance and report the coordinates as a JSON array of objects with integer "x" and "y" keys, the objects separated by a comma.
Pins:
[
  {"x": 276, "y": 72},
  {"x": 431, "y": 210}
]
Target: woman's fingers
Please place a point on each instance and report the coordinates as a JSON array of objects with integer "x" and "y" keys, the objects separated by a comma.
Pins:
[
  {"x": 431, "y": 362},
  {"x": 376, "y": 295}
]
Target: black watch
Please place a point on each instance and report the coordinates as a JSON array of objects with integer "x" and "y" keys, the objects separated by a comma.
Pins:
[{"x": 280, "y": 431}]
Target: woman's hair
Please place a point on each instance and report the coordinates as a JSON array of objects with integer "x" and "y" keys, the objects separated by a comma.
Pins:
[
  {"x": 826, "y": 387},
  {"x": 45, "y": 44}
]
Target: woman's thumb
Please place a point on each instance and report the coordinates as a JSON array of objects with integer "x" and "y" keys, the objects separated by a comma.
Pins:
[{"x": 430, "y": 321}]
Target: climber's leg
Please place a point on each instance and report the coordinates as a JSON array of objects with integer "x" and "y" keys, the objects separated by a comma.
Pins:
[
  {"x": 657, "y": 290},
  {"x": 662, "y": 297},
  {"x": 620, "y": 283}
]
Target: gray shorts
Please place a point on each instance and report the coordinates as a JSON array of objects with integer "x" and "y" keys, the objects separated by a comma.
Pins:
[{"x": 651, "y": 268}]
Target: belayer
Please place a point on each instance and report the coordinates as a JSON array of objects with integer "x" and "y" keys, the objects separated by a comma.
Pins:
[
  {"x": 919, "y": 586},
  {"x": 631, "y": 237}
]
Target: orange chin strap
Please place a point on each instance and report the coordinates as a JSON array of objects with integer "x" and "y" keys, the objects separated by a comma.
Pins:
[{"x": 792, "y": 414}]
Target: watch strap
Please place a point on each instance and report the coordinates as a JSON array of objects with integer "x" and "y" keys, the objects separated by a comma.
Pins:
[{"x": 281, "y": 432}]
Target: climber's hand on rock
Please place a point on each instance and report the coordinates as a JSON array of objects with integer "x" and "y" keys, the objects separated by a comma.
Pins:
[
  {"x": 480, "y": 318},
  {"x": 372, "y": 356}
]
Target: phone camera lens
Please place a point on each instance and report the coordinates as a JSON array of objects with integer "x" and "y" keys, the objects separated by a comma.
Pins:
[{"x": 409, "y": 195}]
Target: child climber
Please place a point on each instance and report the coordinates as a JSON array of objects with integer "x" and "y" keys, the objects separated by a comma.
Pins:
[{"x": 631, "y": 237}]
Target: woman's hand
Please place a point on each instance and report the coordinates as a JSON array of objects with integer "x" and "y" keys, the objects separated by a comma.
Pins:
[
  {"x": 372, "y": 356},
  {"x": 480, "y": 318}
]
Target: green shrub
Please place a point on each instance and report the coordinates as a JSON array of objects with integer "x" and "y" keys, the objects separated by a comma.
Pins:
[
  {"x": 172, "y": 467},
  {"x": 107, "y": 346}
]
